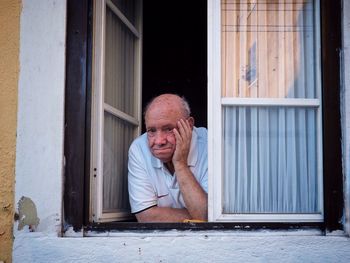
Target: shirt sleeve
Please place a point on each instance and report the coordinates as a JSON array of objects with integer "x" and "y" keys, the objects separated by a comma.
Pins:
[
  {"x": 204, "y": 181},
  {"x": 203, "y": 158},
  {"x": 141, "y": 192}
]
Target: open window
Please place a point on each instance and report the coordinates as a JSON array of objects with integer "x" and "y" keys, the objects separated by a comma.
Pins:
[
  {"x": 116, "y": 104},
  {"x": 273, "y": 103},
  {"x": 174, "y": 61}
]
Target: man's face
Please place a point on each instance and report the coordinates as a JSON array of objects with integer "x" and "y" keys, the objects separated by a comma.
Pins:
[{"x": 160, "y": 122}]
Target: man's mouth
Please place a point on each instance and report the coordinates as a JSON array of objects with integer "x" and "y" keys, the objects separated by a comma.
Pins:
[{"x": 161, "y": 150}]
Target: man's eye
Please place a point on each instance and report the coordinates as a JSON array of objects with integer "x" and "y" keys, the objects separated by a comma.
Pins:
[
  {"x": 168, "y": 129},
  {"x": 151, "y": 132}
]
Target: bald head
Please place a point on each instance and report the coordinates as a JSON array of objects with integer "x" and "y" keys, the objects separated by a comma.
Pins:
[{"x": 169, "y": 102}]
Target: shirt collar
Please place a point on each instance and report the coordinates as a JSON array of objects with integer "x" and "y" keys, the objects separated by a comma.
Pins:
[{"x": 192, "y": 156}]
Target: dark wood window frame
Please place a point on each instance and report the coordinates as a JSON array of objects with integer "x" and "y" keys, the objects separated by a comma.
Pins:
[{"x": 78, "y": 115}]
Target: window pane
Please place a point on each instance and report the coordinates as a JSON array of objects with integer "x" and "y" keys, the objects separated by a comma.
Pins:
[
  {"x": 270, "y": 160},
  {"x": 269, "y": 49},
  {"x": 127, "y": 7},
  {"x": 119, "y": 65},
  {"x": 118, "y": 136}
]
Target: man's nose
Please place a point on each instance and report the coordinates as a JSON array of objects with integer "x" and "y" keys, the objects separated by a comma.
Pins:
[{"x": 160, "y": 137}]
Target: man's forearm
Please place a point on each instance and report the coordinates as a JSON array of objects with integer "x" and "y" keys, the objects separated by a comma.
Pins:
[
  {"x": 196, "y": 199},
  {"x": 163, "y": 214}
]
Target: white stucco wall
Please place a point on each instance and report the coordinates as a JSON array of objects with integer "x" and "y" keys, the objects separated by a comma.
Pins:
[
  {"x": 39, "y": 176},
  {"x": 39, "y": 155},
  {"x": 187, "y": 247},
  {"x": 345, "y": 99}
]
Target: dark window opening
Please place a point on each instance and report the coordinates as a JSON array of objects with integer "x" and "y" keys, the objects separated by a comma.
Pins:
[{"x": 175, "y": 53}]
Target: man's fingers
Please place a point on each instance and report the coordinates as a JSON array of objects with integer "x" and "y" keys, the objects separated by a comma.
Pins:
[
  {"x": 184, "y": 128},
  {"x": 177, "y": 135},
  {"x": 181, "y": 127},
  {"x": 183, "y": 136}
]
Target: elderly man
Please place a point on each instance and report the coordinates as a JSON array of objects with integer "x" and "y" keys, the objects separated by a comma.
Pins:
[{"x": 168, "y": 164}]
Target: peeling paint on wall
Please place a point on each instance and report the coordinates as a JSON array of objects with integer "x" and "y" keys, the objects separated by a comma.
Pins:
[
  {"x": 28, "y": 215},
  {"x": 39, "y": 161}
]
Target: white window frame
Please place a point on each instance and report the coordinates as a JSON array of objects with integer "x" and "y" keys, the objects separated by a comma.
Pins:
[
  {"x": 215, "y": 117},
  {"x": 96, "y": 213}
]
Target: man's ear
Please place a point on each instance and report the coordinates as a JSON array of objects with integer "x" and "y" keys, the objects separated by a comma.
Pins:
[{"x": 191, "y": 122}]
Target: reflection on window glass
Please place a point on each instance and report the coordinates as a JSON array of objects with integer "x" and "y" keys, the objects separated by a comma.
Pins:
[
  {"x": 269, "y": 49},
  {"x": 270, "y": 153}
]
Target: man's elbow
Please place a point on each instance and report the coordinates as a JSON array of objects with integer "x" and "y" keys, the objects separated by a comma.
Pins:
[
  {"x": 143, "y": 217},
  {"x": 202, "y": 215}
]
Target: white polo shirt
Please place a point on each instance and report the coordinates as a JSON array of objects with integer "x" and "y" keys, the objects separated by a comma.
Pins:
[{"x": 150, "y": 182}]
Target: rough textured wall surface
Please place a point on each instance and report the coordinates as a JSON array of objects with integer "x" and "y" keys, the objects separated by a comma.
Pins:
[
  {"x": 39, "y": 150},
  {"x": 175, "y": 246},
  {"x": 345, "y": 99},
  {"x": 9, "y": 70}
]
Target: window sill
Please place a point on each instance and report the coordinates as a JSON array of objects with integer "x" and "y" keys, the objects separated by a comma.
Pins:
[{"x": 181, "y": 229}]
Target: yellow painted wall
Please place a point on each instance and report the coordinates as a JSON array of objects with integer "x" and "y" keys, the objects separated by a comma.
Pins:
[{"x": 9, "y": 73}]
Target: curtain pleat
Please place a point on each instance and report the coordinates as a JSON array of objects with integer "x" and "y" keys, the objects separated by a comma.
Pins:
[
  {"x": 118, "y": 136},
  {"x": 270, "y": 163}
]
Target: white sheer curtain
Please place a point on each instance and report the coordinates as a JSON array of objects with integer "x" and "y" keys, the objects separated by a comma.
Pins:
[
  {"x": 119, "y": 95},
  {"x": 270, "y": 163},
  {"x": 118, "y": 136},
  {"x": 119, "y": 64},
  {"x": 270, "y": 152}
]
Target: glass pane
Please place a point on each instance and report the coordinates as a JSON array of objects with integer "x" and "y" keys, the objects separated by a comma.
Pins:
[
  {"x": 268, "y": 49},
  {"x": 118, "y": 136},
  {"x": 127, "y": 7},
  {"x": 119, "y": 65},
  {"x": 270, "y": 160}
]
